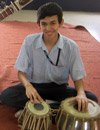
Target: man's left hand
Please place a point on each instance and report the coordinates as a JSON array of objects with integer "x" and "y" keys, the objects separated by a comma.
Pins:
[{"x": 82, "y": 102}]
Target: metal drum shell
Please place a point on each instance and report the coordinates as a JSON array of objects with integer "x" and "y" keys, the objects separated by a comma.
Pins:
[{"x": 68, "y": 116}]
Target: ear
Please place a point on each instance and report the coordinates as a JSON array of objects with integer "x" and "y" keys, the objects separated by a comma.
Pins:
[
  {"x": 38, "y": 24},
  {"x": 62, "y": 22}
]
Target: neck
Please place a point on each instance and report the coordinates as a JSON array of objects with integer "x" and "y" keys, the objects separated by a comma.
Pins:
[{"x": 50, "y": 41}]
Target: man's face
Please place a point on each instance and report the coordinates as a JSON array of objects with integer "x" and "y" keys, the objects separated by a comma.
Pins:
[{"x": 50, "y": 25}]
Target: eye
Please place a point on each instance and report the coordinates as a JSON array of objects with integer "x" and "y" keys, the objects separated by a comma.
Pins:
[
  {"x": 43, "y": 24},
  {"x": 53, "y": 23}
]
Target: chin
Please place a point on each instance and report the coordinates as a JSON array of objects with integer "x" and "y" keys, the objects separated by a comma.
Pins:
[{"x": 51, "y": 34}]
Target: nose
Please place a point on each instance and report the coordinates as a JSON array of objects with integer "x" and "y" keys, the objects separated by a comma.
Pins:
[{"x": 48, "y": 27}]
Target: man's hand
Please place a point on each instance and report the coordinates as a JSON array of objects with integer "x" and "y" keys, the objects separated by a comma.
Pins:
[
  {"x": 81, "y": 97},
  {"x": 32, "y": 94},
  {"x": 82, "y": 102}
]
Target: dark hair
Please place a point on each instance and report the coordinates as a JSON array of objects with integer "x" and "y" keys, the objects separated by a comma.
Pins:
[{"x": 49, "y": 9}]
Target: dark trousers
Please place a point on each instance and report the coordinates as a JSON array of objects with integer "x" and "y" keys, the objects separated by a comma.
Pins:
[{"x": 15, "y": 96}]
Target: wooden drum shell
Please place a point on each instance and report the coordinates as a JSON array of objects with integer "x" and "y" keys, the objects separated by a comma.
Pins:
[{"x": 35, "y": 121}]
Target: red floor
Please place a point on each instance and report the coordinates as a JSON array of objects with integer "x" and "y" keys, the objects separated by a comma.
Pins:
[{"x": 8, "y": 121}]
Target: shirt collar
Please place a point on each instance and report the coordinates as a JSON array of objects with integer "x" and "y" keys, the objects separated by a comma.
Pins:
[
  {"x": 40, "y": 43},
  {"x": 60, "y": 42}
]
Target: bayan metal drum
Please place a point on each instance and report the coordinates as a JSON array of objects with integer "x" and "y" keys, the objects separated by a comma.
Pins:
[
  {"x": 35, "y": 117},
  {"x": 69, "y": 118}
]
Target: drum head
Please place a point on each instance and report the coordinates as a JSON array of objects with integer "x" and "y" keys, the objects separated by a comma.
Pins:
[
  {"x": 38, "y": 109},
  {"x": 69, "y": 106}
]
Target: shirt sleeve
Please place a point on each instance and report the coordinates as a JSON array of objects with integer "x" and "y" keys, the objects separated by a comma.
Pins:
[
  {"x": 22, "y": 61},
  {"x": 77, "y": 70}
]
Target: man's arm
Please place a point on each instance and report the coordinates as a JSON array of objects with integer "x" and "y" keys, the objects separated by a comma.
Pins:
[
  {"x": 31, "y": 92},
  {"x": 81, "y": 96}
]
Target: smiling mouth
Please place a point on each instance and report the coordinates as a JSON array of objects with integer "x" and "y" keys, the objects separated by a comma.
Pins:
[{"x": 49, "y": 33}]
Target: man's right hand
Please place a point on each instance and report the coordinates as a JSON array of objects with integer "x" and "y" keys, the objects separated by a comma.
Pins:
[{"x": 32, "y": 94}]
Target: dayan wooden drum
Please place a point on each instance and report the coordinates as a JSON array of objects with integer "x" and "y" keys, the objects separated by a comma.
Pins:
[
  {"x": 35, "y": 117},
  {"x": 69, "y": 118}
]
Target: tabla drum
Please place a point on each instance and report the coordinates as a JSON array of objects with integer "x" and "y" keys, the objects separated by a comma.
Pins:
[
  {"x": 35, "y": 117},
  {"x": 69, "y": 118}
]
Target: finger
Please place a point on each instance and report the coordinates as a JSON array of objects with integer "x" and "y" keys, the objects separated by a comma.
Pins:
[
  {"x": 79, "y": 105},
  {"x": 83, "y": 106},
  {"x": 27, "y": 95},
  {"x": 86, "y": 108},
  {"x": 31, "y": 98},
  {"x": 35, "y": 98},
  {"x": 39, "y": 98}
]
